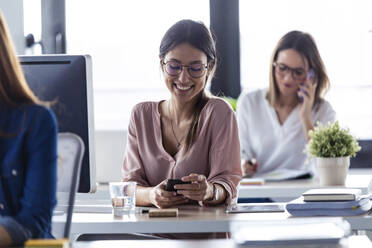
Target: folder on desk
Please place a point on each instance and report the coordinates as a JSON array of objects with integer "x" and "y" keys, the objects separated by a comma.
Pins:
[{"x": 299, "y": 207}]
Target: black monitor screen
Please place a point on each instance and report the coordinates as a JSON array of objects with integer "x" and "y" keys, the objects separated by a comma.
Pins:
[
  {"x": 363, "y": 158},
  {"x": 66, "y": 82}
]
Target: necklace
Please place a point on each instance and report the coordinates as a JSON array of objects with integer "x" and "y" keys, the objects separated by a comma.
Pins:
[{"x": 174, "y": 134}]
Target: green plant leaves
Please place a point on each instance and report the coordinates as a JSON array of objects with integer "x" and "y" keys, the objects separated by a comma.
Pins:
[{"x": 332, "y": 141}]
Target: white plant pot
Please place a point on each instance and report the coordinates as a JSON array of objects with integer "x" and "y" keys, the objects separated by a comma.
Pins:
[{"x": 332, "y": 171}]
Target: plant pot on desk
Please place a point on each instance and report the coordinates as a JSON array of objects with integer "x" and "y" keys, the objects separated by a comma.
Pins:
[{"x": 332, "y": 171}]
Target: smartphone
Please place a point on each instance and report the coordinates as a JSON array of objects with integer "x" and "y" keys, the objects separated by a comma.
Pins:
[
  {"x": 172, "y": 182},
  {"x": 310, "y": 75}
]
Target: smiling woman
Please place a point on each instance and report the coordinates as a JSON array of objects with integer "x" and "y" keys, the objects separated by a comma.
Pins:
[{"x": 191, "y": 136}]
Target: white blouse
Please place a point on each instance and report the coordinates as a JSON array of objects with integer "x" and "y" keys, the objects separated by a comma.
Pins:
[{"x": 275, "y": 146}]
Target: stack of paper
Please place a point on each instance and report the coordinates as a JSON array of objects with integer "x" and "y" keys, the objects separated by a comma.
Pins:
[{"x": 329, "y": 202}]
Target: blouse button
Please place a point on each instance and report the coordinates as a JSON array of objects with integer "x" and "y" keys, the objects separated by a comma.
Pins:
[
  {"x": 1, "y": 206},
  {"x": 14, "y": 172}
]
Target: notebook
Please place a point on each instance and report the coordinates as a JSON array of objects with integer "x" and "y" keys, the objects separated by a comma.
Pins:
[{"x": 332, "y": 194}]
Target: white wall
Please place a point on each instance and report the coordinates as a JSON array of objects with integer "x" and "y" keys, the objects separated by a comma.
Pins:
[
  {"x": 110, "y": 148},
  {"x": 13, "y": 12}
]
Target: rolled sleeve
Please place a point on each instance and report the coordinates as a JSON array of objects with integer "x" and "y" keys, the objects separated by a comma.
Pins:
[
  {"x": 225, "y": 156},
  {"x": 18, "y": 233}
]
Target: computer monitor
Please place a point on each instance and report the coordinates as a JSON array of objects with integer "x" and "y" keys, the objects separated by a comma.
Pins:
[
  {"x": 67, "y": 80},
  {"x": 363, "y": 158}
]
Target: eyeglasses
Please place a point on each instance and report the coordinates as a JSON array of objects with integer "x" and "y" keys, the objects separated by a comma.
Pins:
[
  {"x": 174, "y": 68},
  {"x": 282, "y": 70}
]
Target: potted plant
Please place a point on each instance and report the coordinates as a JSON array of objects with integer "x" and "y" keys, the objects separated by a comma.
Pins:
[{"x": 332, "y": 147}]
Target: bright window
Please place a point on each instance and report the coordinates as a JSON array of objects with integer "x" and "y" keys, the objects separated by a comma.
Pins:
[
  {"x": 343, "y": 32},
  {"x": 123, "y": 38},
  {"x": 32, "y": 24}
]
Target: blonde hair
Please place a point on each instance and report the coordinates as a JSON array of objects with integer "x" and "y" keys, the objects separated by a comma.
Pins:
[
  {"x": 14, "y": 90},
  {"x": 305, "y": 45}
]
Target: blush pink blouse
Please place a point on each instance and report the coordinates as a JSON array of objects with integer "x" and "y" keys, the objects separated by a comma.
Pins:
[{"x": 214, "y": 154}]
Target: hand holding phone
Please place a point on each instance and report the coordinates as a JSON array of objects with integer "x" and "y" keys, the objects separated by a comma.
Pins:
[
  {"x": 161, "y": 198},
  {"x": 172, "y": 182},
  {"x": 310, "y": 75}
]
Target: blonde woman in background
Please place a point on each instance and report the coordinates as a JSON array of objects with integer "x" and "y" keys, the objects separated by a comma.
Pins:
[{"x": 274, "y": 122}]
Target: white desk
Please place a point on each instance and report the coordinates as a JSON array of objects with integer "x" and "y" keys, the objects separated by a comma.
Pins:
[
  {"x": 351, "y": 242},
  {"x": 201, "y": 219},
  {"x": 294, "y": 188},
  {"x": 191, "y": 219}
]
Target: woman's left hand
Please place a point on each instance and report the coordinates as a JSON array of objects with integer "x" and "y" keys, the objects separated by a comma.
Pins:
[
  {"x": 307, "y": 92},
  {"x": 198, "y": 190}
]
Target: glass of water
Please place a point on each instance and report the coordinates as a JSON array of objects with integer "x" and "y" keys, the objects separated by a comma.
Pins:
[{"x": 123, "y": 197}]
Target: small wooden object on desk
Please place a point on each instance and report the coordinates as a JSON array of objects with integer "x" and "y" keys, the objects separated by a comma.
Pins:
[
  {"x": 168, "y": 212},
  {"x": 50, "y": 243}
]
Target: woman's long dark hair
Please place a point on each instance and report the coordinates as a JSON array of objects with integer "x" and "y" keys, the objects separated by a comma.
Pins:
[{"x": 197, "y": 35}]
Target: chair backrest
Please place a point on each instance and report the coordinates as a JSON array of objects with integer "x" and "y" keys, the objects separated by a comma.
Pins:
[{"x": 70, "y": 156}]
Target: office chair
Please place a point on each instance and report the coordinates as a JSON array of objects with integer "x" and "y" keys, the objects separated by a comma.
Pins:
[{"x": 70, "y": 156}]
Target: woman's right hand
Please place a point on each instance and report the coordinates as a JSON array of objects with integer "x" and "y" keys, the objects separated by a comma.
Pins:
[
  {"x": 161, "y": 198},
  {"x": 249, "y": 167}
]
